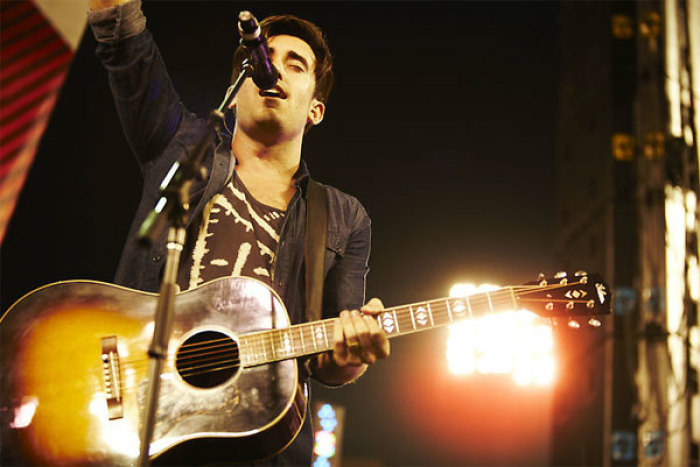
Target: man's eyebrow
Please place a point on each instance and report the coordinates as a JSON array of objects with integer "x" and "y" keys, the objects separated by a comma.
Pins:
[{"x": 293, "y": 55}]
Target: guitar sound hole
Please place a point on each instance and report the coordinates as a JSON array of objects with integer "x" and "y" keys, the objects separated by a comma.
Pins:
[{"x": 207, "y": 359}]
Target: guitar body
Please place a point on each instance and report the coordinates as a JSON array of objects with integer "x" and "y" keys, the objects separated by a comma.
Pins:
[{"x": 73, "y": 369}]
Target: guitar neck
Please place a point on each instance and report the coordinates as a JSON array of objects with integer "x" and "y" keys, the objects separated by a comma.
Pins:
[{"x": 263, "y": 347}]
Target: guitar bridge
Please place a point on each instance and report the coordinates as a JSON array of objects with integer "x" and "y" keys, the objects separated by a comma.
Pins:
[{"x": 111, "y": 377}]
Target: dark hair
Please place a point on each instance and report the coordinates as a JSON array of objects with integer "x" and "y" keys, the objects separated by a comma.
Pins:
[{"x": 308, "y": 32}]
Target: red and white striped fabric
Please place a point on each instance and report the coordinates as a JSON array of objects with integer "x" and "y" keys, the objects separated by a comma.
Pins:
[{"x": 36, "y": 47}]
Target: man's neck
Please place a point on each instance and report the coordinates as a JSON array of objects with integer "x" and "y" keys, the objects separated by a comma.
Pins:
[{"x": 267, "y": 170}]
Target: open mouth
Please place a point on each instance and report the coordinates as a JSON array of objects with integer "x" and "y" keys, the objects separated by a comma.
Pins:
[{"x": 278, "y": 93}]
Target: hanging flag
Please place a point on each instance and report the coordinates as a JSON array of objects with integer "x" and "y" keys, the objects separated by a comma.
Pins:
[{"x": 37, "y": 41}]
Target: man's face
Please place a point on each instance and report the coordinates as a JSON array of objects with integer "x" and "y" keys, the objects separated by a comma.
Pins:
[{"x": 285, "y": 109}]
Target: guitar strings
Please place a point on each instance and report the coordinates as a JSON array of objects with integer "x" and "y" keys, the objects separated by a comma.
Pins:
[
  {"x": 202, "y": 360},
  {"x": 264, "y": 337}
]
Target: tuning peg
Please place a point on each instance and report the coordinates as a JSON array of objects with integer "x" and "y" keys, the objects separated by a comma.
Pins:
[
  {"x": 580, "y": 273},
  {"x": 560, "y": 275},
  {"x": 574, "y": 324},
  {"x": 595, "y": 322}
]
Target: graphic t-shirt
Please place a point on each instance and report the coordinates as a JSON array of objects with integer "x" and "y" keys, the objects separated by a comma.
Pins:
[{"x": 238, "y": 236}]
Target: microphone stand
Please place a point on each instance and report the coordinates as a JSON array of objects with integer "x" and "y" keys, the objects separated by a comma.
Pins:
[{"x": 172, "y": 209}]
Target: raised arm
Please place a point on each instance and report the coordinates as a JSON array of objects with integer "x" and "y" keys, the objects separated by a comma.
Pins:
[{"x": 149, "y": 108}]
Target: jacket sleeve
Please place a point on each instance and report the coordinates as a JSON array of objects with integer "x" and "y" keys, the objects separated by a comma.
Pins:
[
  {"x": 149, "y": 109},
  {"x": 344, "y": 288}
]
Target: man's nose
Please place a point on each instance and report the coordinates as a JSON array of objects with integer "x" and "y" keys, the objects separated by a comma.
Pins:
[{"x": 278, "y": 66}]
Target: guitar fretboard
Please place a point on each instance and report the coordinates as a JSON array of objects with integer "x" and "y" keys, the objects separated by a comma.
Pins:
[{"x": 317, "y": 336}]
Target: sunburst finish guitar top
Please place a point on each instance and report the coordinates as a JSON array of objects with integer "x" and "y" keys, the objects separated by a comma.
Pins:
[{"x": 74, "y": 361}]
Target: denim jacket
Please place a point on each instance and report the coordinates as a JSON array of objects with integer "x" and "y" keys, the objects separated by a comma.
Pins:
[{"x": 160, "y": 131}]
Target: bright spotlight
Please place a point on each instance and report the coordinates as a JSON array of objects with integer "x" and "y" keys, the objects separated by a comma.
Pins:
[{"x": 511, "y": 342}]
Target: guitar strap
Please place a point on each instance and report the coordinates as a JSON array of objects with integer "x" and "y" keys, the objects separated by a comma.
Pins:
[{"x": 315, "y": 247}]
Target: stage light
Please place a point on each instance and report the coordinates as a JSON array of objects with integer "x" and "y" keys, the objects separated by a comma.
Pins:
[
  {"x": 513, "y": 342},
  {"x": 328, "y": 424}
]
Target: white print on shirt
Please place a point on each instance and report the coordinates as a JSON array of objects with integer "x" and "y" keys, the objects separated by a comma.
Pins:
[
  {"x": 202, "y": 256},
  {"x": 254, "y": 215},
  {"x": 261, "y": 272},
  {"x": 243, "y": 253},
  {"x": 272, "y": 215},
  {"x": 265, "y": 250},
  {"x": 230, "y": 211}
]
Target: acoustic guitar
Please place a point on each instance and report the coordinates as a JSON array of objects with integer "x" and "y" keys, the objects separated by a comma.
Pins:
[{"x": 73, "y": 360}]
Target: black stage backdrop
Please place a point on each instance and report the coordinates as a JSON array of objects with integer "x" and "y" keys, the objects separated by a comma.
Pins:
[{"x": 442, "y": 122}]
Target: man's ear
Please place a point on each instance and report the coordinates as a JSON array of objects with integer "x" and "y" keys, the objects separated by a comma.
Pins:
[{"x": 316, "y": 112}]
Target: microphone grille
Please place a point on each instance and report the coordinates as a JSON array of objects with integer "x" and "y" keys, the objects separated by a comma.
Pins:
[{"x": 248, "y": 26}]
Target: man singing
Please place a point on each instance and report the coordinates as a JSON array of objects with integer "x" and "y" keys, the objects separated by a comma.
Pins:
[{"x": 249, "y": 216}]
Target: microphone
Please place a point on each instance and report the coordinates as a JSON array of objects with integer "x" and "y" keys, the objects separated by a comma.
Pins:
[{"x": 265, "y": 75}]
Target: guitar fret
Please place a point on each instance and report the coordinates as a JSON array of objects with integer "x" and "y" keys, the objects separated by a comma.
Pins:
[
  {"x": 247, "y": 349},
  {"x": 287, "y": 343},
  {"x": 387, "y": 322},
  {"x": 255, "y": 355},
  {"x": 469, "y": 306},
  {"x": 442, "y": 314},
  {"x": 301, "y": 333},
  {"x": 311, "y": 335},
  {"x": 319, "y": 334},
  {"x": 272, "y": 348},
  {"x": 398, "y": 331},
  {"x": 413, "y": 318},
  {"x": 307, "y": 343},
  {"x": 430, "y": 314},
  {"x": 500, "y": 303},
  {"x": 244, "y": 353},
  {"x": 404, "y": 316},
  {"x": 513, "y": 297},
  {"x": 262, "y": 346},
  {"x": 437, "y": 315},
  {"x": 449, "y": 311},
  {"x": 422, "y": 316},
  {"x": 488, "y": 297}
]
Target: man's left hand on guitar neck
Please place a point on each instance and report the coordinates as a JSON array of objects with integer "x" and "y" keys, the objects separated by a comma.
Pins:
[{"x": 358, "y": 341}]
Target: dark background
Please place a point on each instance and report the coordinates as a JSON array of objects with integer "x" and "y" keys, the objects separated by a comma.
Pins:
[{"x": 442, "y": 122}]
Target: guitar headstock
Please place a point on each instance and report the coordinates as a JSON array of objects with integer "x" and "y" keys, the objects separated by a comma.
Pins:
[{"x": 568, "y": 295}]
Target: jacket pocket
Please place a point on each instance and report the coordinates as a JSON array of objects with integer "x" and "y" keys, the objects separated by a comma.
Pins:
[
  {"x": 335, "y": 243},
  {"x": 335, "y": 249}
]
